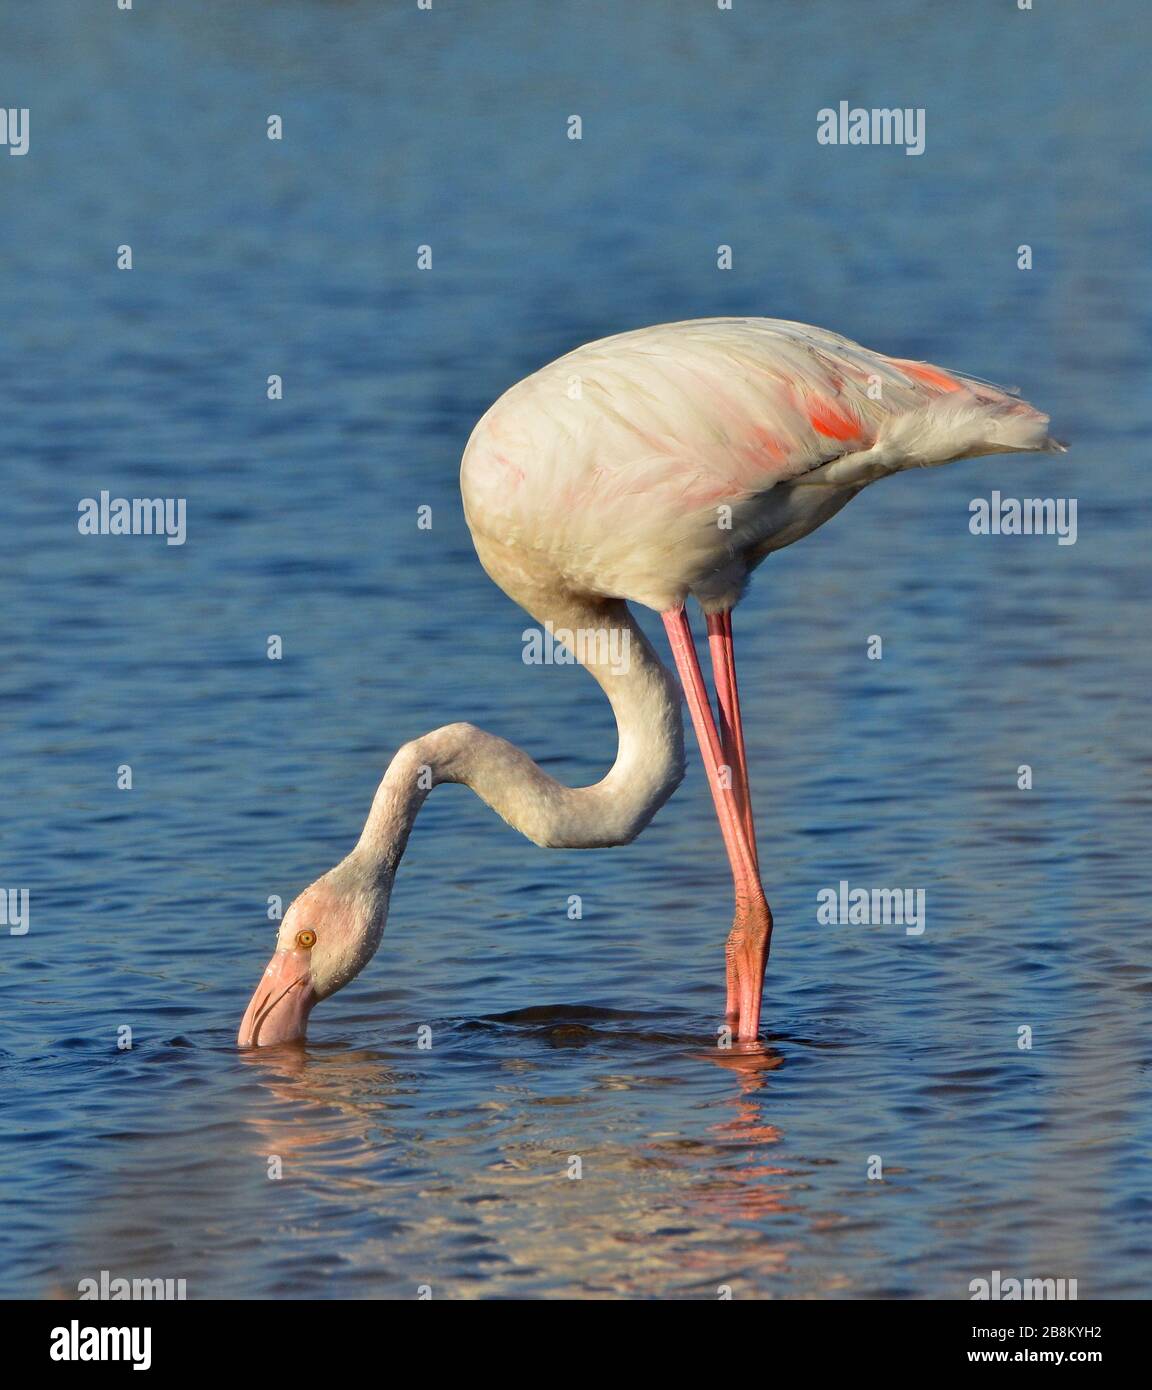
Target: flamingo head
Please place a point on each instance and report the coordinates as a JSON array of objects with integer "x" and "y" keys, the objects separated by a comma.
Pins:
[{"x": 327, "y": 936}]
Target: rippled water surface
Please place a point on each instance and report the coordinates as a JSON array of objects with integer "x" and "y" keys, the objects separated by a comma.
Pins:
[{"x": 552, "y": 1038}]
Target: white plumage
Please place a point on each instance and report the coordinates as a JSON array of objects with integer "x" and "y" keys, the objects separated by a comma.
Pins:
[{"x": 608, "y": 467}]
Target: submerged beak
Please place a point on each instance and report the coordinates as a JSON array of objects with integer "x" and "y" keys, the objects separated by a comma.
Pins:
[{"x": 283, "y": 1000}]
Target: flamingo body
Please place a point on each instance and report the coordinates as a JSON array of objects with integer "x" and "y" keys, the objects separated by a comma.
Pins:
[{"x": 670, "y": 461}]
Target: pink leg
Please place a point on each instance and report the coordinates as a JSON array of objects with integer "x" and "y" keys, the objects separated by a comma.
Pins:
[
  {"x": 747, "y": 947},
  {"x": 731, "y": 725},
  {"x": 752, "y": 932}
]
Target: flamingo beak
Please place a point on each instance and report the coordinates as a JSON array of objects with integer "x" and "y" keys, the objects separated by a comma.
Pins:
[{"x": 279, "y": 1009}]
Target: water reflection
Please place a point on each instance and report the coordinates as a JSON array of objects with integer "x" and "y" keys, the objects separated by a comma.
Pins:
[{"x": 328, "y": 1116}]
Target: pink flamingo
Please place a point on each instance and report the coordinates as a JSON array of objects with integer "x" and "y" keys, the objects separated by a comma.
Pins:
[{"x": 646, "y": 467}]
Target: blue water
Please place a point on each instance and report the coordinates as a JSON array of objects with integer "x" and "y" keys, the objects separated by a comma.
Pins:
[{"x": 555, "y": 1039}]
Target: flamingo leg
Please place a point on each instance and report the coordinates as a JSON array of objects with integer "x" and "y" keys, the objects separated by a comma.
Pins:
[
  {"x": 731, "y": 725},
  {"x": 751, "y": 937},
  {"x": 746, "y": 951}
]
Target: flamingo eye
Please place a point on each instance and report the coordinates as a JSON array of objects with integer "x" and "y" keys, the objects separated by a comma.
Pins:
[{"x": 305, "y": 940}]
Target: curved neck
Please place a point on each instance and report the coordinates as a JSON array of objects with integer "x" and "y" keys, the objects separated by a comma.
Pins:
[{"x": 649, "y": 761}]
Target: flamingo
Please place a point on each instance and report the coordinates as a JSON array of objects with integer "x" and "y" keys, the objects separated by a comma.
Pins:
[{"x": 644, "y": 468}]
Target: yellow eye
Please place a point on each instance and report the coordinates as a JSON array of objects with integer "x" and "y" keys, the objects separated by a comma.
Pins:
[{"x": 305, "y": 940}]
